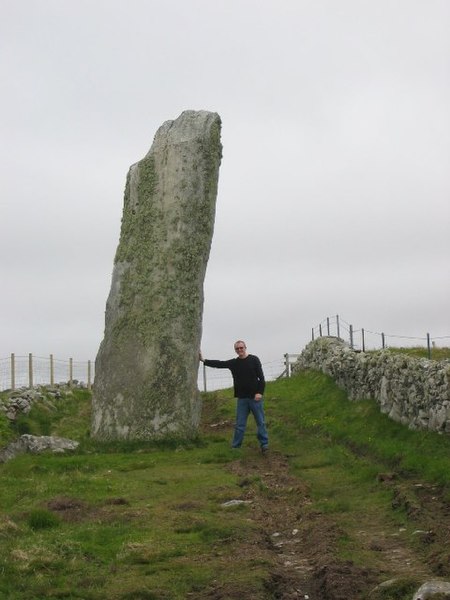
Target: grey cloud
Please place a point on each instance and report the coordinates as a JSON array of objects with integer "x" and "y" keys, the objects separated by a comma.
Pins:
[{"x": 333, "y": 193}]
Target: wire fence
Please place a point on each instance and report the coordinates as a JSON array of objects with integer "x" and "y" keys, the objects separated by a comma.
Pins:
[
  {"x": 30, "y": 371},
  {"x": 365, "y": 339}
]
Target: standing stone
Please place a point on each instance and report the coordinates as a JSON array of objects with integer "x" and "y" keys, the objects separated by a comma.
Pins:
[{"x": 146, "y": 367}]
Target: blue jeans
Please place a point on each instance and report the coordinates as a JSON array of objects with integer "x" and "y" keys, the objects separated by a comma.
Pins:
[{"x": 244, "y": 407}]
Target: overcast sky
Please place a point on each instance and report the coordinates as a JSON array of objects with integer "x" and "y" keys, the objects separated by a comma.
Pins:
[{"x": 334, "y": 184}]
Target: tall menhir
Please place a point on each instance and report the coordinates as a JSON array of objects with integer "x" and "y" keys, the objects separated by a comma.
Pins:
[{"x": 146, "y": 367}]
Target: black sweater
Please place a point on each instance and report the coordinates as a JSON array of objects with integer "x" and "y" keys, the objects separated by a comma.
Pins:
[{"x": 248, "y": 376}]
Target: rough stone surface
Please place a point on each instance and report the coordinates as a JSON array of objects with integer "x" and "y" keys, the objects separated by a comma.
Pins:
[
  {"x": 433, "y": 589},
  {"x": 146, "y": 368},
  {"x": 36, "y": 445},
  {"x": 411, "y": 391}
]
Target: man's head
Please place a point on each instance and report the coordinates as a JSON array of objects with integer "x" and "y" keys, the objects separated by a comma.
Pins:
[{"x": 240, "y": 348}]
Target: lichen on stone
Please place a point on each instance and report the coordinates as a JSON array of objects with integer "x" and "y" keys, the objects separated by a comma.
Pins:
[{"x": 149, "y": 354}]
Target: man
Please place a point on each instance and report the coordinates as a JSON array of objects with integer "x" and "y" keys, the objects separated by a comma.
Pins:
[{"x": 249, "y": 384}]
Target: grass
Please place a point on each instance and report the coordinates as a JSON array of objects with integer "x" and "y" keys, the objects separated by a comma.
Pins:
[
  {"x": 360, "y": 427},
  {"x": 437, "y": 353},
  {"x": 341, "y": 447},
  {"x": 141, "y": 519},
  {"x": 145, "y": 520}
]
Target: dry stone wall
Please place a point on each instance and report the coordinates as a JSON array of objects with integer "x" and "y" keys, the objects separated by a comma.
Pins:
[{"x": 411, "y": 391}]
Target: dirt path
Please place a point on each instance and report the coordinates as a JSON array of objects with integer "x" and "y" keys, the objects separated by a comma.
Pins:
[
  {"x": 302, "y": 547},
  {"x": 301, "y": 542}
]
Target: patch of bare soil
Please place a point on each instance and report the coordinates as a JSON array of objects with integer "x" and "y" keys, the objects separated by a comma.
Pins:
[
  {"x": 69, "y": 509},
  {"x": 74, "y": 510}
]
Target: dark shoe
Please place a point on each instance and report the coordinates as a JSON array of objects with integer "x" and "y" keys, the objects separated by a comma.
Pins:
[{"x": 264, "y": 450}]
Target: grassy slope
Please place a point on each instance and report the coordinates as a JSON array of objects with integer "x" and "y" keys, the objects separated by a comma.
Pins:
[{"x": 146, "y": 521}]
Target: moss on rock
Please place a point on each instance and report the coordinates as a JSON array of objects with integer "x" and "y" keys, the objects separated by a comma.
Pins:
[{"x": 146, "y": 368}]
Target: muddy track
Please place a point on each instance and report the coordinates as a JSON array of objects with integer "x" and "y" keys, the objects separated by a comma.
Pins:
[{"x": 300, "y": 543}]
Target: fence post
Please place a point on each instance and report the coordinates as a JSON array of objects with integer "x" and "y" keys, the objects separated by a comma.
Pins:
[
  {"x": 312, "y": 333},
  {"x": 13, "y": 372},
  {"x": 89, "y": 385},
  {"x": 320, "y": 329},
  {"x": 383, "y": 344},
  {"x": 328, "y": 326},
  {"x": 363, "y": 340},
  {"x": 30, "y": 370},
  {"x": 70, "y": 371},
  {"x": 338, "y": 327},
  {"x": 52, "y": 371},
  {"x": 204, "y": 378},
  {"x": 351, "y": 336},
  {"x": 287, "y": 365},
  {"x": 428, "y": 345}
]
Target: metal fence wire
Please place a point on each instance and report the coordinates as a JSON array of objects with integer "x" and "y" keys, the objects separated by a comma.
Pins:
[
  {"x": 364, "y": 339},
  {"x": 30, "y": 371}
]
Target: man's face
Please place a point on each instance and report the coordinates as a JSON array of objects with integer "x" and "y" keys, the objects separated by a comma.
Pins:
[{"x": 240, "y": 349}]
